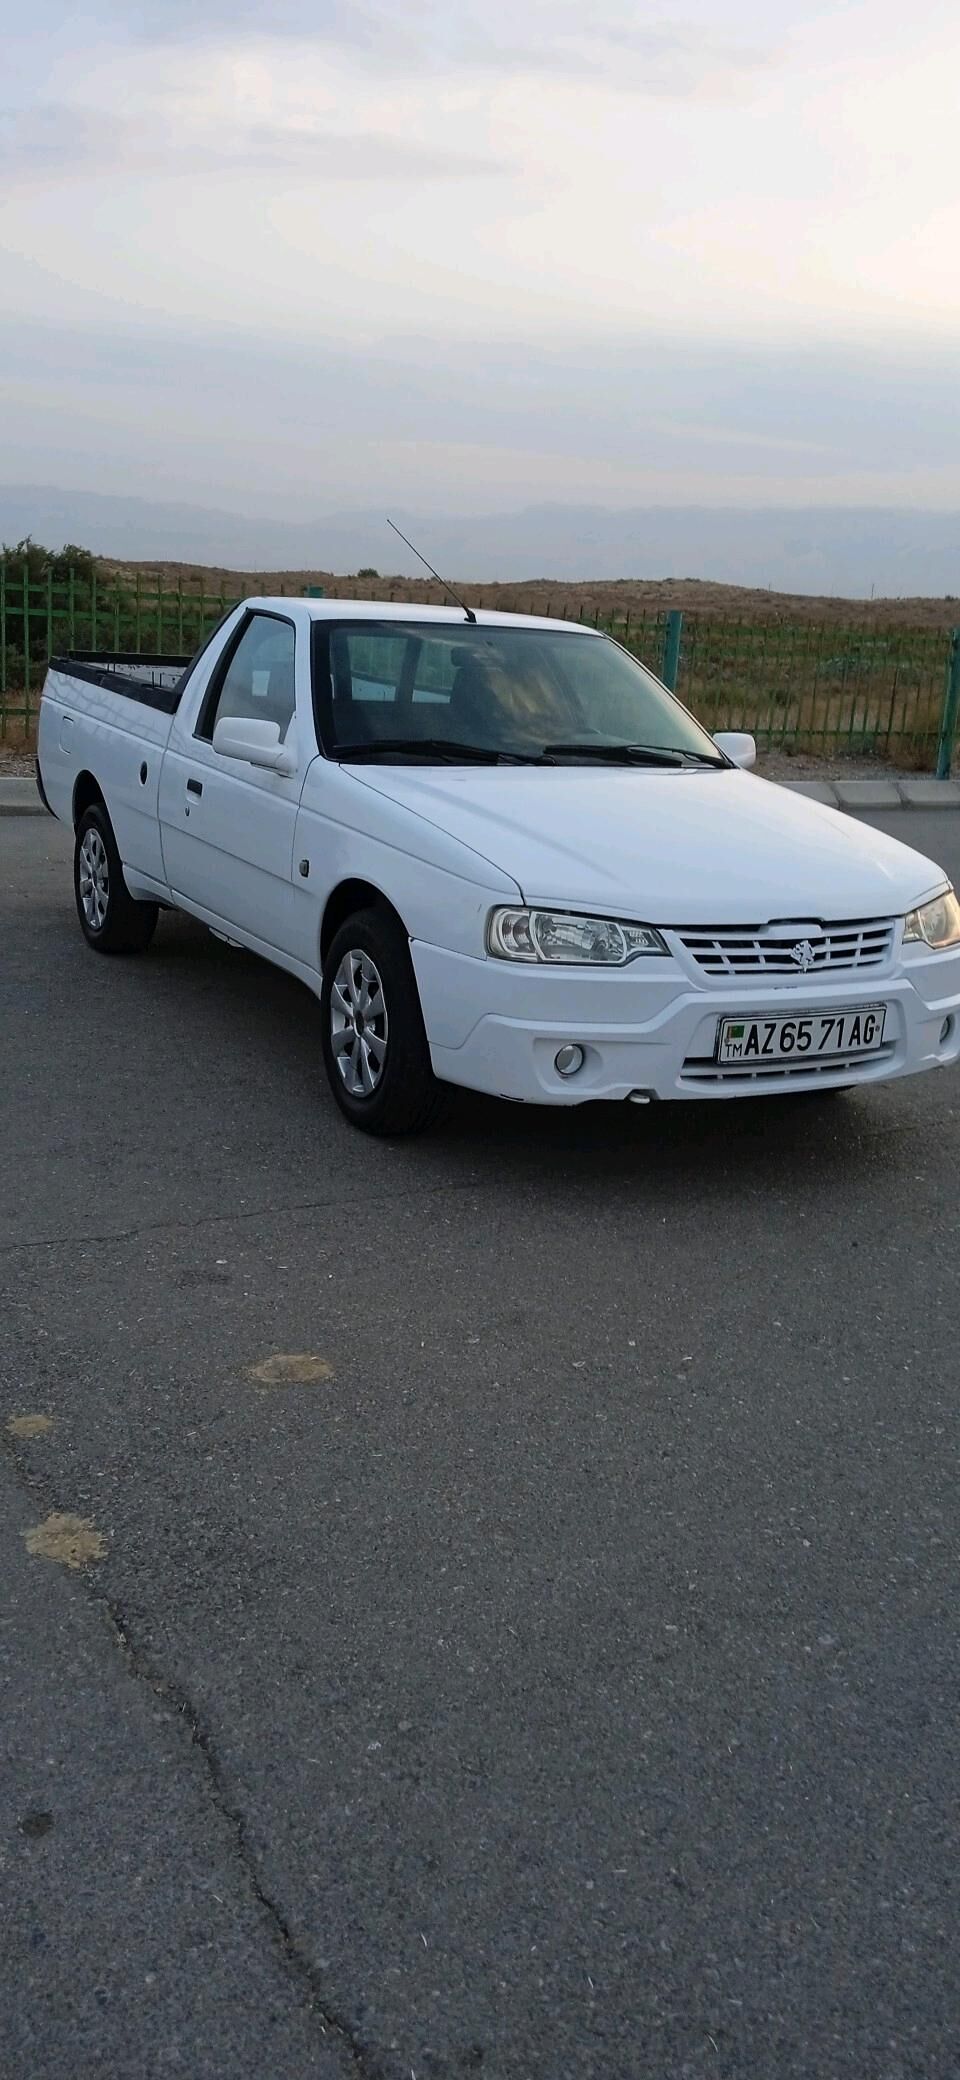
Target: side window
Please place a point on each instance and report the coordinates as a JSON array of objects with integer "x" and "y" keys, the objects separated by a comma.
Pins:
[{"x": 259, "y": 681}]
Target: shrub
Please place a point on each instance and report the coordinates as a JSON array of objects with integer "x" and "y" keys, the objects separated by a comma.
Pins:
[{"x": 30, "y": 556}]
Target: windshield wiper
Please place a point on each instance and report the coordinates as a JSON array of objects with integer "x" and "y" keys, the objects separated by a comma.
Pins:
[
  {"x": 617, "y": 754},
  {"x": 632, "y": 754},
  {"x": 426, "y": 747},
  {"x": 450, "y": 751}
]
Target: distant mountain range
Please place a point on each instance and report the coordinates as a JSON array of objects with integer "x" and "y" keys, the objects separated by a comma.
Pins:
[{"x": 851, "y": 551}]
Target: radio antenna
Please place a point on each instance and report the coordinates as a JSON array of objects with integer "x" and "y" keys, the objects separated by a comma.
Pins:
[{"x": 468, "y": 611}]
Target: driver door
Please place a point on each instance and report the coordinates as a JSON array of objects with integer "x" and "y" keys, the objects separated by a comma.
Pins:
[{"x": 227, "y": 827}]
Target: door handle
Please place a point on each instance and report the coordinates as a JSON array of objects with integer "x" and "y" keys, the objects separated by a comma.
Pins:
[{"x": 194, "y": 786}]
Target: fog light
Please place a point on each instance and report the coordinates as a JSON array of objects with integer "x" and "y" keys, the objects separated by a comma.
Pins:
[
  {"x": 945, "y": 1031},
  {"x": 568, "y": 1060}
]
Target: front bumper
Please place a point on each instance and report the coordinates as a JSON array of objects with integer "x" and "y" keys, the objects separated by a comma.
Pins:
[{"x": 648, "y": 1032}]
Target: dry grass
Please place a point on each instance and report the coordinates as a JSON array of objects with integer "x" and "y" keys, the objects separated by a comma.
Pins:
[
  {"x": 587, "y": 597},
  {"x": 17, "y": 746},
  {"x": 826, "y": 678}
]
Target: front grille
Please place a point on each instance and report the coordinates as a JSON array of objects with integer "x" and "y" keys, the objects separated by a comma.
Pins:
[
  {"x": 703, "y": 1072},
  {"x": 784, "y": 949}
]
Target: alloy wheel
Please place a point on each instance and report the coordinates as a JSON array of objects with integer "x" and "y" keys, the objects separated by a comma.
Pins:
[
  {"x": 358, "y": 1024},
  {"x": 94, "y": 879}
]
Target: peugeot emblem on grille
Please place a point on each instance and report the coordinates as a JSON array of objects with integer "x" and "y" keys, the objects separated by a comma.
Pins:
[{"x": 803, "y": 954}]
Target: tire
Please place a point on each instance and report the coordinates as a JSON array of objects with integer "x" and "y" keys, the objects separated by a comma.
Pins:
[
  {"x": 110, "y": 919},
  {"x": 379, "y": 1072}
]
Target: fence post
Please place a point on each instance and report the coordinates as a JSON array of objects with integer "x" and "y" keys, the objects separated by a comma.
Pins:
[
  {"x": 671, "y": 649},
  {"x": 951, "y": 702},
  {"x": 26, "y": 632}
]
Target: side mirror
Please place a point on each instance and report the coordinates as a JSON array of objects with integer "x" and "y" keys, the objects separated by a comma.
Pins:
[
  {"x": 740, "y": 748},
  {"x": 256, "y": 742}
]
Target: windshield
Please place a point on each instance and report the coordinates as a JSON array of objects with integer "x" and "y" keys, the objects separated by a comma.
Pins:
[{"x": 398, "y": 690}]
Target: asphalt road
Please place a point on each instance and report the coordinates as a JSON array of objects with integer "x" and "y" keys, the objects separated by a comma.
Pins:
[{"x": 562, "y": 1679}]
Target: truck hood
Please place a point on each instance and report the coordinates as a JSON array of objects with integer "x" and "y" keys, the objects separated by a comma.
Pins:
[{"x": 672, "y": 848}]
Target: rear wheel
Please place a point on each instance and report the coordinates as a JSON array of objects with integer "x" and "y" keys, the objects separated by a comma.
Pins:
[
  {"x": 110, "y": 919},
  {"x": 375, "y": 1047}
]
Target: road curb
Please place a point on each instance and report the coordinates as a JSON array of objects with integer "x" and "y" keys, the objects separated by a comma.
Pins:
[
  {"x": 858, "y": 795},
  {"x": 19, "y": 797}
]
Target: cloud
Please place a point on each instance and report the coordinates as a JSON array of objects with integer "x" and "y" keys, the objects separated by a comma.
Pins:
[
  {"x": 659, "y": 59},
  {"x": 334, "y": 21},
  {"x": 644, "y": 418},
  {"x": 544, "y": 37},
  {"x": 56, "y": 143}
]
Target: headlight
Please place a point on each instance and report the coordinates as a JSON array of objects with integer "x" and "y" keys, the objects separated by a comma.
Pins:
[
  {"x": 937, "y": 923},
  {"x": 555, "y": 935}
]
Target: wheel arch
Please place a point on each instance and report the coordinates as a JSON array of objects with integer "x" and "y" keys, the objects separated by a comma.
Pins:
[
  {"x": 87, "y": 792},
  {"x": 344, "y": 901}
]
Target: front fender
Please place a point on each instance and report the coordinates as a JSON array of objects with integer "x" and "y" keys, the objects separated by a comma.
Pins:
[{"x": 440, "y": 888}]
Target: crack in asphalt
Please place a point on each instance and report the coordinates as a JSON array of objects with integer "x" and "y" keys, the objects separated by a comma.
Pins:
[
  {"x": 365, "y": 2062},
  {"x": 232, "y": 1220}
]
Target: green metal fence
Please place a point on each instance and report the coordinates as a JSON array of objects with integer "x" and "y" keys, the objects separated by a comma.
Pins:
[
  {"x": 799, "y": 686},
  {"x": 820, "y": 687},
  {"x": 43, "y": 618}
]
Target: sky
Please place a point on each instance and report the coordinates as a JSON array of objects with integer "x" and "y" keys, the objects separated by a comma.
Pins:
[{"x": 471, "y": 255}]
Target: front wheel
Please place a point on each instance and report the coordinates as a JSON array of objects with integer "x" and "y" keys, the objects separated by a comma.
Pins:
[
  {"x": 375, "y": 1047},
  {"x": 110, "y": 919}
]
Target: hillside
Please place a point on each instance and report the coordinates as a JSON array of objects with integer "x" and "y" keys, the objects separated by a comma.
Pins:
[
  {"x": 817, "y": 551},
  {"x": 600, "y": 597}
]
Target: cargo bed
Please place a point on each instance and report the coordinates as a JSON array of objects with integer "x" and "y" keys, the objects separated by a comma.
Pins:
[{"x": 154, "y": 680}]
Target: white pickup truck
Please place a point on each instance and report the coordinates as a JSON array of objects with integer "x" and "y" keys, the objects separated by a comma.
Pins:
[{"x": 502, "y": 855}]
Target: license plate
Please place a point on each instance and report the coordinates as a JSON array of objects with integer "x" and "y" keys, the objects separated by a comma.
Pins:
[{"x": 816, "y": 1035}]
